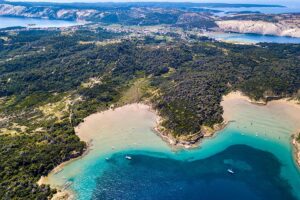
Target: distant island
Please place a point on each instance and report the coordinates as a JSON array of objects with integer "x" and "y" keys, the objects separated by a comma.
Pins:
[{"x": 186, "y": 15}]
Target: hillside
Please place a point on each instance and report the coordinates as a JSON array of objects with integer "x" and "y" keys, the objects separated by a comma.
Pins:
[
  {"x": 51, "y": 80},
  {"x": 280, "y": 25}
]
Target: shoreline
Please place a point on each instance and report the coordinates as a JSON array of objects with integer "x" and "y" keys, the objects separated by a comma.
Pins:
[
  {"x": 63, "y": 192},
  {"x": 187, "y": 142},
  {"x": 194, "y": 140},
  {"x": 296, "y": 148},
  {"x": 287, "y": 101}
]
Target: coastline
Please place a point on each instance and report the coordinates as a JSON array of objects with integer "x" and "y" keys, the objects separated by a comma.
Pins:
[
  {"x": 284, "y": 102},
  {"x": 296, "y": 148},
  {"x": 190, "y": 141},
  {"x": 194, "y": 140},
  {"x": 187, "y": 141},
  {"x": 63, "y": 192}
]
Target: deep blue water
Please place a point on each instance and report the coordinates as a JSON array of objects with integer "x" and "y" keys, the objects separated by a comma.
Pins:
[{"x": 257, "y": 177}]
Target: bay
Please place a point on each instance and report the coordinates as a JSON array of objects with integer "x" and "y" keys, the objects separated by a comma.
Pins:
[
  {"x": 256, "y": 146},
  {"x": 6, "y": 22}
]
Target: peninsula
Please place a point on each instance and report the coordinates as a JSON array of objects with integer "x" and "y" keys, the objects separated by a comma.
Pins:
[{"x": 53, "y": 79}]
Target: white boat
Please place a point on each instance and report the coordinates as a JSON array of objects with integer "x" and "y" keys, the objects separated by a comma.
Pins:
[
  {"x": 128, "y": 157},
  {"x": 230, "y": 171},
  {"x": 107, "y": 159}
]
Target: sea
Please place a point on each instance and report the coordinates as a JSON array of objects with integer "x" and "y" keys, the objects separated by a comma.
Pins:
[
  {"x": 288, "y": 7},
  {"x": 248, "y": 38},
  {"x": 251, "y": 159},
  {"x": 255, "y": 147},
  {"x": 6, "y": 22}
]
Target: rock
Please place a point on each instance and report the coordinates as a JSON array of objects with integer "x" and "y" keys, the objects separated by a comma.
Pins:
[{"x": 282, "y": 28}]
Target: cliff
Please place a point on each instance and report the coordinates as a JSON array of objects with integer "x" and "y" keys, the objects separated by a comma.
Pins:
[
  {"x": 47, "y": 12},
  {"x": 281, "y": 28}
]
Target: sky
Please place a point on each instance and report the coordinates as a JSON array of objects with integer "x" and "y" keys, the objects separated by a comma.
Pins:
[
  {"x": 281, "y": 2},
  {"x": 198, "y": 1}
]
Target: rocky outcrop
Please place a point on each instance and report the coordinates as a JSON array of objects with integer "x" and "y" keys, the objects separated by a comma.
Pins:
[
  {"x": 281, "y": 28},
  {"x": 198, "y": 20},
  {"x": 48, "y": 12},
  {"x": 296, "y": 144},
  {"x": 188, "y": 140}
]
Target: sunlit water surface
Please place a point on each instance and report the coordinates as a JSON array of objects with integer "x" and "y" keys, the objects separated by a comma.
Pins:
[{"x": 256, "y": 147}]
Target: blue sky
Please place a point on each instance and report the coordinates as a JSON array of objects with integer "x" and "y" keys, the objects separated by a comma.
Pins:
[{"x": 282, "y": 2}]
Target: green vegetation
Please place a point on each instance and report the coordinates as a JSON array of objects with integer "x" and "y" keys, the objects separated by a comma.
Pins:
[
  {"x": 138, "y": 90},
  {"x": 51, "y": 80}
]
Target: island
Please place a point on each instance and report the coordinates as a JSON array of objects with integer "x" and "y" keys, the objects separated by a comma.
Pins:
[{"x": 52, "y": 79}]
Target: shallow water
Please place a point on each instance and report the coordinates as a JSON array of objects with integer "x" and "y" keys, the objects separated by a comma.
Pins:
[
  {"x": 256, "y": 146},
  {"x": 39, "y": 23}
]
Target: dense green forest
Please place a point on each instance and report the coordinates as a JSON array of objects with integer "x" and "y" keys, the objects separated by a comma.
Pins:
[{"x": 51, "y": 80}]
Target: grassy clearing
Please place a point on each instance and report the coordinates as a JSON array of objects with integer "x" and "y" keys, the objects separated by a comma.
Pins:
[
  {"x": 139, "y": 90},
  {"x": 49, "y": 109},
  {"x": 59, "y": 109},
  {"x": 91, "y": 82}
]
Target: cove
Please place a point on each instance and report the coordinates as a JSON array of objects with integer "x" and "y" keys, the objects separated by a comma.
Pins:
[{"x": 256, "y": 146}]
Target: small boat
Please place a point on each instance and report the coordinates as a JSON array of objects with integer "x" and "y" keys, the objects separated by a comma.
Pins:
[
  {"x": 107, "y": 159},
  {"x": 230, "y": 171},
  {"x": 128, "y": 157}
]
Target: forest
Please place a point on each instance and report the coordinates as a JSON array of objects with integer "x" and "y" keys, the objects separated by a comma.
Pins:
[{"x": 50, "y": 81}]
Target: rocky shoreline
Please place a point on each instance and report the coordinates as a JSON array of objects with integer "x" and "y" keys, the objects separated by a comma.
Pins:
[
  {"x": 296, "y": 145},
  {"x": 186, "y": 141}
]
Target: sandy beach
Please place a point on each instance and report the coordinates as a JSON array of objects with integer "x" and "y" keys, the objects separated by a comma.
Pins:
[
  {"x": 287, "y": 107},
  {"x": 122, "y": 137},
  {"x": 110, "y": 127}
]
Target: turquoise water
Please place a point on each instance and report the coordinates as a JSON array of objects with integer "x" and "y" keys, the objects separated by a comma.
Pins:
[
  {"x": 41, "y": 23},
  {"x": 256, "y": 146},
  {"x": 253, "y": 38}
]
